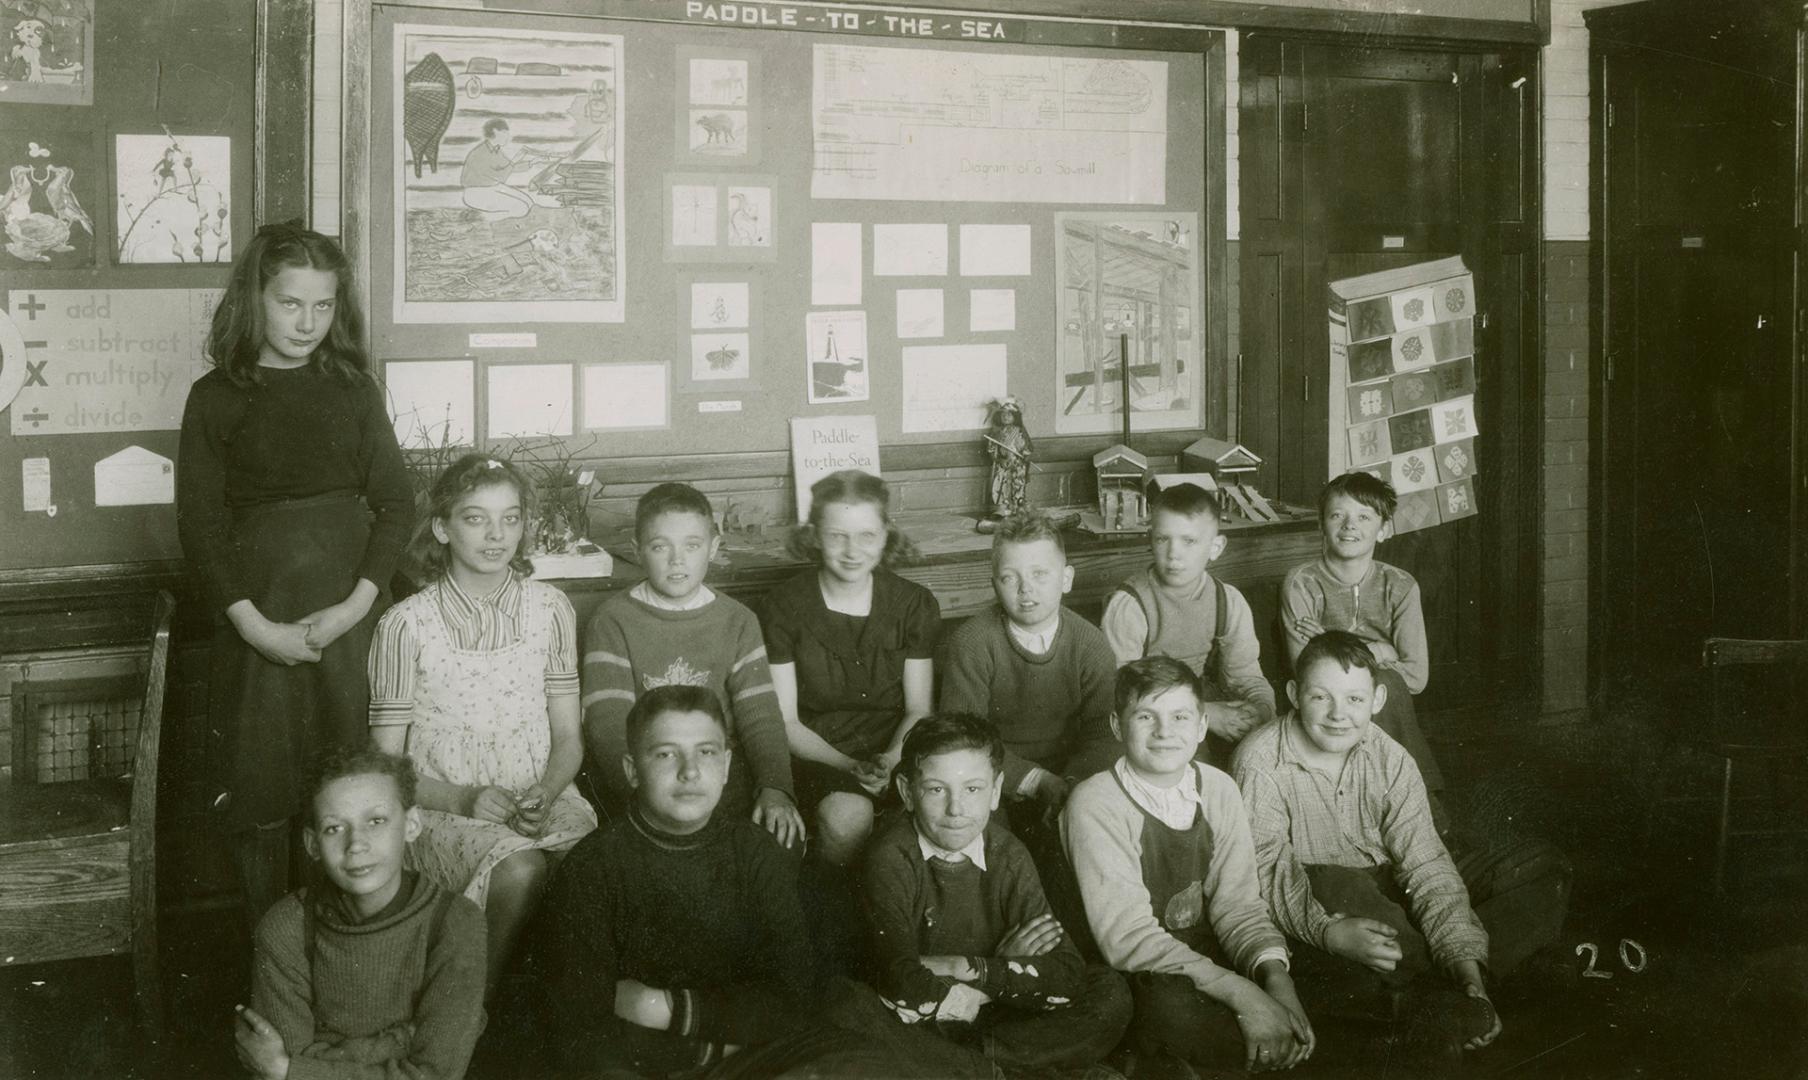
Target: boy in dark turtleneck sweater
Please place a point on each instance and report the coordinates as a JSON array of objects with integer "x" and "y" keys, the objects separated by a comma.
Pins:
[
  {"x": 377, "y": 971},
  {"x": 674, "y": 934},
  {"x": 967, "y": 948}
]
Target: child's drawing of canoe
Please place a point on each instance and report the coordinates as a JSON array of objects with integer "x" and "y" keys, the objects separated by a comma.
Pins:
[{"x": 427, "y": 102}]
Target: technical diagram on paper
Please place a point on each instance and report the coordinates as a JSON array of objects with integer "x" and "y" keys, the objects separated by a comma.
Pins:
[{"x": 986, "y": 127}]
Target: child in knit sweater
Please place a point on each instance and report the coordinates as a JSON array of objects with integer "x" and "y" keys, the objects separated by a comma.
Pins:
[
  {"x": 674, "y": 941},
  {"x": 1039, "y": 672},
  {"x": 1176, "y": 608},
  {"x": 973, "y": 967},
  {"x": 1160, "y": 844},
  {"x": 377, "y": 971},
  {"x": 673, "y": 630}
]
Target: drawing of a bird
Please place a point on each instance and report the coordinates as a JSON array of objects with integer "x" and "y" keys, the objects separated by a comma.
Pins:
[
  {"x": 30, "y": 233},
  {"x": 16, "y": 203},
  {"x": 62, "y": 198}
]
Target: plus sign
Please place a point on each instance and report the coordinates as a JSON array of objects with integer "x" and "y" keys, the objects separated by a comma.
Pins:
[{"x": 31, "y": 306}]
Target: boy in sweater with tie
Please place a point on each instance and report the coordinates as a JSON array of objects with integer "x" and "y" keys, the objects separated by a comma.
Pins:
[{"x": 973, "y": 969}]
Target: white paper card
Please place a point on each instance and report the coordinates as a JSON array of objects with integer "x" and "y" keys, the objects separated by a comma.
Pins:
[
  {"x": 994, "y": 250},
  {"x": 721, "y": 356},
  {"x": 134, "y": 477},
  {"x": 693, "y": 215},
  {"x": 718, "y": 406},
  {"x": 910, "y": 250},
  {"x": 433, "y": 402},
  {"x": 821, "y": 445},
  {"x": 836, "y": 360},
  {"x": 919, "y": 313},
  {"x": 526, "y": 340},
  {"x": 991, "y": 310},
  {"x": 718, "y": 305},
  {"x": 618, "y": 396},
  {"x": 834, "y": 263},
  {"x": 35, "y": 472},
  {"x": 529, "y": 399},
  {"x": 948, "y": 387}
]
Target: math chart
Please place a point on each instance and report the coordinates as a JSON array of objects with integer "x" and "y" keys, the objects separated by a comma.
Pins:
[{"x": 108, "y": 359}]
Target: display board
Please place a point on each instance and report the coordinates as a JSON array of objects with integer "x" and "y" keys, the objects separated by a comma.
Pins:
[
  {"x": 131, "y": 188},
  {"x": 658, "y": 238}
]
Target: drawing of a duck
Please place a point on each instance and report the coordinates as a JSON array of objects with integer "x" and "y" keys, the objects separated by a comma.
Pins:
[{"x": 30, "y": 233}]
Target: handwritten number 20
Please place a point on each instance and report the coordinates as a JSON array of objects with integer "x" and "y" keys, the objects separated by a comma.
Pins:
[{"x": 1627, "y": 948}]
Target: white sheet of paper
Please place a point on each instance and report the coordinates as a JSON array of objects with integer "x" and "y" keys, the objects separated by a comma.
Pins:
[
  {"x": 919, "y": 313},
  {"x": 693, "y": 215},
  {"x": 718, "y": 305},
  {"x": 134, "y": 477},
  {"x": 529, "y": 399},
  {"x": 433, "y": 402},
  {"x": 620, "y": 396},
  {"x": 991, "y": 310},
  {"x": 35, "y": 473},
  {"x": 834, "y": 263},
  {"x": 910, "y": 250},
  {"x": 948, "y": 387},
  {"x": 994, "y": 250}
]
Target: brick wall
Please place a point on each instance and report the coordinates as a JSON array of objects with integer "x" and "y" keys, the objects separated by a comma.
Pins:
[
  {"x": 1568, "y": 359},
  {"x": 1564, "y": 608}
]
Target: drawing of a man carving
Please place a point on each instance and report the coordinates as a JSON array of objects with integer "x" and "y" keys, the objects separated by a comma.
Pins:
[{"x": 486, "y": 173}]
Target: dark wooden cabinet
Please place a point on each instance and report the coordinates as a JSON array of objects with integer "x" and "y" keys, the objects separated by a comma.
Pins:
[
  {"x": 1356, "y": 158},
  {"x": 1698, "y": 392}
]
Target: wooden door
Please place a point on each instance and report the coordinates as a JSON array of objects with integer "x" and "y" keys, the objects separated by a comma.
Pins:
[
  {"x": 1694, "y": 435},
  {"x": 1356, "y": 159}
]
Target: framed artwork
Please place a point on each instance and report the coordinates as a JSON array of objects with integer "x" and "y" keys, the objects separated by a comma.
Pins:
[
  {"x": 717, "y": 112},
  {"x": 718, "y": 217},
  {"x": 507, "y": 193},
  {"x": 53, "y": 185},
  {"x": 172, "y": 197},
  {"x": 1136, "y": 276},
  {"x": 717, "y": 341},
  {"x": 47, "y": 52}
]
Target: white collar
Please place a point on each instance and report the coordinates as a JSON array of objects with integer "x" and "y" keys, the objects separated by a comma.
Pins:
[
  {"x": 974, "y": 852},
  {"x": 1035, "y": 643},
  {"x": 1175, "y": 806},
  {"x": 646, "y": 594}
]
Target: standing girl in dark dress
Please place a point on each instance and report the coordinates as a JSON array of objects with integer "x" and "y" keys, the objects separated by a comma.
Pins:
[
  {"x": 293, "y": 505},
  {"x": 851, "y": 648}
]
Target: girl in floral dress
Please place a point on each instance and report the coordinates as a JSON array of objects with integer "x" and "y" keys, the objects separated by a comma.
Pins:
[{"x": 475, "y": 677}]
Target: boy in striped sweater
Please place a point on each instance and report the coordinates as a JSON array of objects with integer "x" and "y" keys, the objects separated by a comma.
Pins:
[{"x": 673, "y": 630}]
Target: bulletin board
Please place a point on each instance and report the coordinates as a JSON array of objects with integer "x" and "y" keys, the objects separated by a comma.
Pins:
[
  {"x": 145, "y": 109},
  {"x": 690, "y": 234}
]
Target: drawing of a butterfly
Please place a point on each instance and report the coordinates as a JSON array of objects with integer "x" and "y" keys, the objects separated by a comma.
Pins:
[{"x": 721, "y": 359}]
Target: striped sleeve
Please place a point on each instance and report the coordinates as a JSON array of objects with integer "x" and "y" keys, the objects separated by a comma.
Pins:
[
  {"x": 562, "y": 650},
  {"x": 391, "y": 667},
  {"x": 608, "y": 694},
  {"x": 759, "y": 727}
]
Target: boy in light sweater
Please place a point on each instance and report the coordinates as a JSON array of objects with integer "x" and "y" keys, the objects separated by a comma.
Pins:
[
  {"x": 377, "y": 971},
  {"x": 1161, "y": 847},
  {"x": 673, "y": 630}
]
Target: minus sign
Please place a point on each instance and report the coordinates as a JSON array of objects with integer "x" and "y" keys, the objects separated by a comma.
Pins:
[{"x": 37, "y": 344}]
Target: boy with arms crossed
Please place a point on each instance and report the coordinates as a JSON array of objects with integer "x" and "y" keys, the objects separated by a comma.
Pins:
[
  {"x": 377, "y": 972},
  {"x": 966, "y": 945}
]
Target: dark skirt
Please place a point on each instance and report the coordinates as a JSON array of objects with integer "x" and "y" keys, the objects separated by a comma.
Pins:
[{"x": 266, "y": 722}]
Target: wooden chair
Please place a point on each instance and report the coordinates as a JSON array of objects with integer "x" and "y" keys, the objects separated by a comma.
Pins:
[
  {"x": 78, "y": 862},
  {"x": 1755, "y": 712}
]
